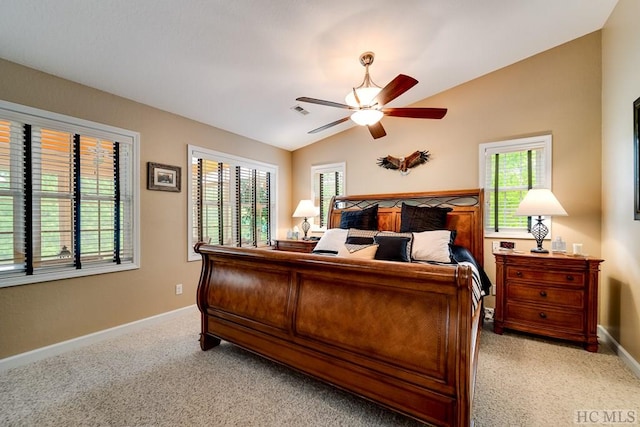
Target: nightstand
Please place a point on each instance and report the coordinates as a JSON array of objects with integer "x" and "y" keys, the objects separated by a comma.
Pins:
[
  {"x": 305, "y": 246},
  {"x": 548, "y": 294}
]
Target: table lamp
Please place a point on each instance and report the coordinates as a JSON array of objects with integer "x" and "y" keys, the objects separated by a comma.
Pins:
[
  {"x": 540, "y": 202},
  {"x": 306, "y": 210}
]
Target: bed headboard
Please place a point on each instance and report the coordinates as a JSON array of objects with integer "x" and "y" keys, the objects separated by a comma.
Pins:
[{"x": 466, "y": 217}]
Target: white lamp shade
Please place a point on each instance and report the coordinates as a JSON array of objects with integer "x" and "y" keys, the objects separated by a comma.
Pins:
[
  {"x": 540, "y": 202},
  {"x": 367, "y": 117},
  {"x": 365, "y": 94},
  {"x": 306, "y": 209}
]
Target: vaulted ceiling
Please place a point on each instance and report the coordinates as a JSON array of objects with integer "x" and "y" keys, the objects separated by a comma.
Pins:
[{"x": 239, "y": 65}]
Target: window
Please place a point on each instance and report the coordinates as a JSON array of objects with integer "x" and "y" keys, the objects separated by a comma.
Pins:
[
  {"x": 232, "y": 200},
  {"x": 67, "y": 202},
  {"x": 327, "y": 181},
  {"x": 508, "y": 169}
]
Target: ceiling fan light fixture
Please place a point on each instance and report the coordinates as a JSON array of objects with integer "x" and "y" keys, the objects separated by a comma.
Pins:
[
  {"x": 368, "y": 101},
  {"x": 365, "y": 94},
  {"x": 367, "y": 117}
]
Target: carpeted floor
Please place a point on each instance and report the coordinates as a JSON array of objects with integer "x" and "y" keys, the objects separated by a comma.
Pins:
[{"x": 160, "y": 377}]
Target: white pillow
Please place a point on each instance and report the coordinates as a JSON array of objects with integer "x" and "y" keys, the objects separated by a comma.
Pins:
[
  {"x": 431, "y": 246},
  {"x": 331, "y": 241}
]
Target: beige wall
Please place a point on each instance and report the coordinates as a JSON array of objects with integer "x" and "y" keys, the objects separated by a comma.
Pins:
[
  {"x": 620, "y": 289},
  {"x": 557, "y": 92},
  {"x": 37, "y": 315}
]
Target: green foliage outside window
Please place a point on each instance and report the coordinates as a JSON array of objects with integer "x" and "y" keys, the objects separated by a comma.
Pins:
[{"x": 508, "y": 169}]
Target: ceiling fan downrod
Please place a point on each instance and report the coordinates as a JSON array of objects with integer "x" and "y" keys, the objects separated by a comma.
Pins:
[
  {"x": 363, "y": 96},
  {"x": 366, "y": 59}
]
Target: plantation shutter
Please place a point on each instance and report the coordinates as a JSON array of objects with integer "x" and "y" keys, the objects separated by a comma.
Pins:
[
  {"x": 246, "y": 207},
  {"x": 263, "y": 208},
  {"x": 197, "y": 196},
  {"x": 331, "y": 184},
  {"x": 98, "y": 222},
  {"x": 12, "y": 200},
  {"x": 66, "y": 197},
  {"x": 231, "y": 201},
  {"x": 53, "y": 169},
  {"x": 212, "y": 220},
  {"x": 123, "y": 177},
  {"x": 253, "y": 195}
]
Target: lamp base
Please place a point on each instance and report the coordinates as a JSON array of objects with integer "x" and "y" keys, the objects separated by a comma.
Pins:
[
  {"x": 305, "y": 228},
  {"x": 539, "y": 251},
  {"x": 539, "y": 231}
]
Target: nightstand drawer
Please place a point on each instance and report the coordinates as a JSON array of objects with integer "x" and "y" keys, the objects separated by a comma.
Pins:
[
  {"x": 304, "y": 246},
  {"x": 546, "y": 276},
  {"x": 546, "y": 295},
  {"x": 545, "y": 317}
]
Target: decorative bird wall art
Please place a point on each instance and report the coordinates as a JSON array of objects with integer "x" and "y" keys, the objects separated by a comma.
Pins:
[{"x": 404, "y": 164}]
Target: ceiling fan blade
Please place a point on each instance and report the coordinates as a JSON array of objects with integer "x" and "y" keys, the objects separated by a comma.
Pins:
[
  {"x": 394, "y": 89},
  {"x": 327, "y": 126},
  {"x": 377, "y": 131},
  {"x": 416, "y": 113},
  {"x": 323, "y": 102}
]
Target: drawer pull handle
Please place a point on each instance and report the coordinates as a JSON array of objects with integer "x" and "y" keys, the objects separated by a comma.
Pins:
[
  {"x": 569, "y": 278},
  {"x": 543, "y": 294},
  {"x": 519, "y": 273},
  {"x": 543, "y": 315}
]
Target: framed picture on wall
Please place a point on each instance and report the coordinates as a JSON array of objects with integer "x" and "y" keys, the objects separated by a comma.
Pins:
[
  {"x": 163, "y": 177},
  {"x": 636, "y": 159}
]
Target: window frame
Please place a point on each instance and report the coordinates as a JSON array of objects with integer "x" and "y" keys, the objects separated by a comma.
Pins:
[
  {"x": 315, "y": 171},
  {"x": 50, "y": 120},
  {"x": 233, "y": 160},
  {"x": 543, "y": 142}
]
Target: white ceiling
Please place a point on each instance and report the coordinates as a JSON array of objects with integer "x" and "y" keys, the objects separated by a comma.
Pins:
[{"x": 239, "y": 65}]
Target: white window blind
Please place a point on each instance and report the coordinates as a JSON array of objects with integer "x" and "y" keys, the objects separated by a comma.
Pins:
[
  {"x": 67, "y": 205},
  {"x": 212, "y": 216},
  {"x": 328, "y": 181},
  {"x": 232, "y": 200},
  {"x": 508, "y": 170},
  {"x": 12, "y": 194},
  {"x": 53, "y": 170}
]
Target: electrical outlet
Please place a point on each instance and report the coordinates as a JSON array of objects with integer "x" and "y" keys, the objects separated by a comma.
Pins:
[
  {"x": 179, "y": 289},
  {"x": 488, "y": 313},
  {"x": 495, "y": 245}
]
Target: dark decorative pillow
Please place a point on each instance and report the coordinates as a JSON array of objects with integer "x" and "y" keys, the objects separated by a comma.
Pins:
[
  {"x": 361, "y": 237},
  {"x": 416, "y": 219},
  {"x": 394, "y": 246},
  {"x": 364, "y": 219}
]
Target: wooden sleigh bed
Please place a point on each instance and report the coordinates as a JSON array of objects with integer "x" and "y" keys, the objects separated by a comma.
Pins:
[{"x": 404, "y": 335}]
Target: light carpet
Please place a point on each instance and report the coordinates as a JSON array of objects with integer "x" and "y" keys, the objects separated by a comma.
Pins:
[{"x": 159, "y": 377}]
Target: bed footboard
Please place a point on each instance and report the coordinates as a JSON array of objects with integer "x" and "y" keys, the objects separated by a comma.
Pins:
[{"x": 404, "y": 337}]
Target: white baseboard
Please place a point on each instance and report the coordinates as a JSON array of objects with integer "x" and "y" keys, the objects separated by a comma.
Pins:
[
  {"x": 619, "y": 350},
  {"x": 64, "y": 346}
]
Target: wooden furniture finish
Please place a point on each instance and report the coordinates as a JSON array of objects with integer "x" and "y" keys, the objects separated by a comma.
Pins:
[
  {"x": 548, "y": 294},
  {"x": 401, "y": 334},
  {"x": 304, "y": 246}
]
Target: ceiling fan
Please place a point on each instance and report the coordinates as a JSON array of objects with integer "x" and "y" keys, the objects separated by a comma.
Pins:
[{"x": 367, "y": 102}]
